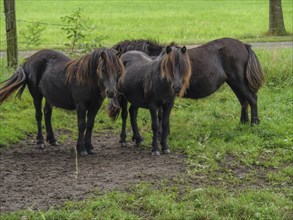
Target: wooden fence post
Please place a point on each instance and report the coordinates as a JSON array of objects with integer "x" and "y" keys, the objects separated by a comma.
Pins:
[{"x": 11, "y": 34}]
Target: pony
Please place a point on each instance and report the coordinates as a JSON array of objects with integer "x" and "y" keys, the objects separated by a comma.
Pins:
[
  {"x": 214, "y": 63},
  {"x": 152, "y": 48},
  {"x": 151, "y": 84},
  {"x": 80, "y": 84}
]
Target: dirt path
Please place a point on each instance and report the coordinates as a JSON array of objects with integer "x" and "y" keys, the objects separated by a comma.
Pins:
[{"x": 36, "y": 178}]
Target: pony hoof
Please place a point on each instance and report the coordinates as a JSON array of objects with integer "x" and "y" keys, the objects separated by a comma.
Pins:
[
  {"x": 156, "y": 153},
  {"x": 91, "y": 151},
  {"x": 83, "y": 153},
  {"x": 54, "y": 143},
  {"x": 167, "y": 151},
  {"x": 254, "y": 123},
  {"x": 123, "y": 144},
  {"x": 137, "y": 139},
  {"x": 41, "y": 146}
]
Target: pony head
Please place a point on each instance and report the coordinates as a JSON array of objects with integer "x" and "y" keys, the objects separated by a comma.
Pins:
[
  {"x": 102, "y": 68},
  {"x": 176, "y": 68},
  {"x": 110, "y": 70}
]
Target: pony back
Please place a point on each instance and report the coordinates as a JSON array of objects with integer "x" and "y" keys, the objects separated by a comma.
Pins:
[{"x": 151, "y": 48}]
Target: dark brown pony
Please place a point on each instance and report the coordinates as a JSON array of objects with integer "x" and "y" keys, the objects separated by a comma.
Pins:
[
  {"x": 222, "y": 60},
  {"x": 152, "y": 48},
  {"x": 151, "y": 84},
  {"x": 80, "y": 84}
]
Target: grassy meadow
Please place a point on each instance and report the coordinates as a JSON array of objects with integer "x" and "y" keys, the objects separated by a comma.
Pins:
[
  {"x": 234, "y": 171},
  {"x": 108, "y": 22}
]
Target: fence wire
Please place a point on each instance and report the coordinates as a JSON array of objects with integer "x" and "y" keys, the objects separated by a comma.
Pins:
[{"x": 113, "y": 31}]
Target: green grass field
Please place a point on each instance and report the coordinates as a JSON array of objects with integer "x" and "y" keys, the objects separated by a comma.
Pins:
[
  {"x": 241, "y": 172},
  {"x": 186, "y": 22}
]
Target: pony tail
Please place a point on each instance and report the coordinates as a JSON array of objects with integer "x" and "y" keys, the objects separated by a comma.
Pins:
[
  {"x": 15, "y": 82},
  {"x": 113, "y": 108},
  {"x": 254, "y": 72}
]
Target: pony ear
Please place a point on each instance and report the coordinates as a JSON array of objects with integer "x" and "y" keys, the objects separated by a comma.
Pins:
[
  {"x": 168, "y": 49},
  {"x": 103, "y": 55},
  {"x": 183, "y": 49},
  {"x": 119, "y": 49}
]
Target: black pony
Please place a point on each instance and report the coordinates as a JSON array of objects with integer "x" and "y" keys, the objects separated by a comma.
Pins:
[
  {"x": 80, "y": 84},
  {"x": 152, "y": 48},
  {"x": 222, "y": 60},
  {"x": 151, "y": 84}
]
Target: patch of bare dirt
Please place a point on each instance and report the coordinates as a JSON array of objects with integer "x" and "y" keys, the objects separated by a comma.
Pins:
[{"x": 39, "y": 179}]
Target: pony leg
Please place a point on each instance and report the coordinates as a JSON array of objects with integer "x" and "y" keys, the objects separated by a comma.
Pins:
[
  {"x": 166, "y": 127},
  {"x": 245, "y": 95},
  {"x": 133, "y": 119},
  {"x": 160, "y": 117},
  {"x": 155, "y": 127},
  {"x": 124, "y": 114},
  {"x": 48, "y": 115},
  {"x": 244, "y": 105},
  {"x": 81, "y": 113},
  {"x": 38, "y": 115},
  {"x": 244, "y": 112},
  {"x": 252, "y": 100},
  {"x": 92, "y": 112}
]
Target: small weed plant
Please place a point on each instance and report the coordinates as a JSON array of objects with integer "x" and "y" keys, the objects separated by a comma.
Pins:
[
  {"x": 76, "y": 26},
  {"x": 32, "y": 35}
]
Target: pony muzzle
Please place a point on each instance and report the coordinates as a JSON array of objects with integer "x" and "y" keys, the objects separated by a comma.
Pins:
[
  {"x": 110, "y": 93},
  {"x": 177, "y": 88}
]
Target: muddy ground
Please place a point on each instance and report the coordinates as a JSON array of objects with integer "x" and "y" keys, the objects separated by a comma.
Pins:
[{"x": 39, "y": 179}]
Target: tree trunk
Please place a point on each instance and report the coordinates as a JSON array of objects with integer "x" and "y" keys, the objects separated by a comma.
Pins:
[
  {"x": 277, "y": 26},
  {"x": 11, "y": 34}
]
